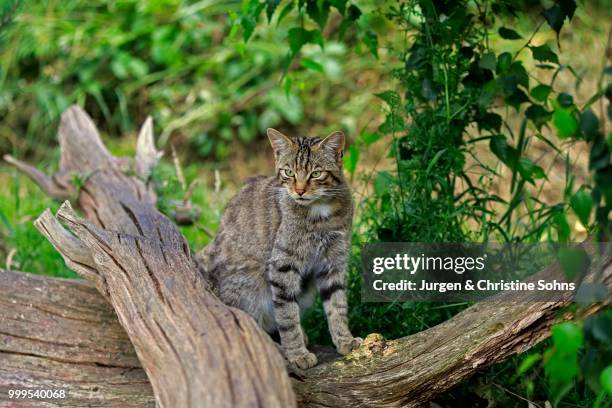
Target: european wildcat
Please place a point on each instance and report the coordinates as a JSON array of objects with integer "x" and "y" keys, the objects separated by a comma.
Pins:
[{"x": 281, "y": 237}]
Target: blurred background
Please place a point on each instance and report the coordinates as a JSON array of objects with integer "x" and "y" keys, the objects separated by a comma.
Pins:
[{"x": 215, "y": 74}]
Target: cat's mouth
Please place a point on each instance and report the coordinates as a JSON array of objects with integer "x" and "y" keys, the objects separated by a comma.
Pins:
[{"x": 303, "y": 200}]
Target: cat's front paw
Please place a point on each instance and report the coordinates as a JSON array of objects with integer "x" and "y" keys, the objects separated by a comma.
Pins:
[
  {"x": 347, "y": 344},
  {"x": 303, "y": 360}
]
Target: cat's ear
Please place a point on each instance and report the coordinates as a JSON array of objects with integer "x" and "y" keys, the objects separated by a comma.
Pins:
[
  {"x": 334, "y": 144},
  {"x": 278, "y": 141}
]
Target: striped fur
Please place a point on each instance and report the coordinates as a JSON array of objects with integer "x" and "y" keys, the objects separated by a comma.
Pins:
[{"x": 283, "y": 238}]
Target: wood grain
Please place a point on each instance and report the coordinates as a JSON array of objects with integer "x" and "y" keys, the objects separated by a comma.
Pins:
[
  {"x": 195, "y": 350},
  {"x": 145, "y": 312},
  {"x": 63, "y": 333}
]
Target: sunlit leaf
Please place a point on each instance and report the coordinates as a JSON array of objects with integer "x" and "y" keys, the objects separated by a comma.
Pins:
[
  {"x": 528, "y": 362},
  {"x": 565, "y": 122},
  {"x": 351, "y": 158},
  {"x": 311, "y": 64},
  {"x": 606, "y": 380},
  {"x": 567, "y": 337}
]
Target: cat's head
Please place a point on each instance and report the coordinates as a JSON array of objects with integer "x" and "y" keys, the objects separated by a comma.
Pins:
[{"x": 309, "y": 168}]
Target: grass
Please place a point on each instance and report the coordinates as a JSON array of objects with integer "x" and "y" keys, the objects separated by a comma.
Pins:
[{"x": 22, "y": 247}]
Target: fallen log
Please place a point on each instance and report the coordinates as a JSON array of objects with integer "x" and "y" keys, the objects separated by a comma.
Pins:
[
  {"x": 60, "y": 333},
  {"x": 195, "y": 350},
  {"x": 153, "y": 305}
]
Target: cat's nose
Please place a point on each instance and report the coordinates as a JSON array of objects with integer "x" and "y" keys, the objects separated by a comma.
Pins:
[{"x": 300, "y": 191}]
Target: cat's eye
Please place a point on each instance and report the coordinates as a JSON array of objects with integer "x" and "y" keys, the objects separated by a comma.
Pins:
[
  {"x": 288, "y": 172},
  {"x": 316, "y": 174}
]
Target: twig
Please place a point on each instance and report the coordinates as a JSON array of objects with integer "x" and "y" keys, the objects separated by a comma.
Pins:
[
  {"x": 9, "y": 258},
  {"x": 177, "y": 166},
  {"x": 516, "y": 395}
]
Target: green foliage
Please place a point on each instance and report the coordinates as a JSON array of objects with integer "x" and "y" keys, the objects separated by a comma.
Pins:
[
  {"x": 580, "y": 352},
  {"x": 451, "y": 81},
  {"x": 28, "y": 250},
  {"x": 180, "y": 61}
]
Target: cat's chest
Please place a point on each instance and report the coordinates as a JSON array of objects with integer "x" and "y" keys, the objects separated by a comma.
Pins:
[{"x": 319, "y": 212}]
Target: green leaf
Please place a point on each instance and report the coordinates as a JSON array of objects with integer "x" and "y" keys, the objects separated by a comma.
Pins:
[
  {"x": 271, "y": 6},
  {"x": 369, "y": 138},
  {"x": 599, "y": 327},
  {"x": 538, "y": 115},
  {"x": 370, "y": 39},
  {"x": 568, "y": 7},
  {"x": 351, "y": 158},
  {"x": 504, "y": 60},
  {"x": 392, "y": 98},
  {"x": 589, "y": 125},
  {"x": 487, "y": 61},
  {"x": 562, "y": 227},
  {"x": 311, "y": 64},
  {"x": 567, "y": 337},
  {"x": 499, "y": 147},
  {"x": 565, "y": 122},
  {"x": 382, "y": 182},
  {"x": 509, "y": 34},
  {"x": 249, "y": 17},
  {"x": 561, "y": 369},
  {"x": 490, "y": 121},
  {"x": 119, "y": 68},
  {"x": 138, "y": 67},
  {"x": 541, "y": 92},
  {"x": 517, "y": 98},
  {"x": 284, "y": 12},
  {"x": 599, "y": 156},
  {"x": 318, "y": 11},
  {"x": 565, "y": 100},
  {"x": 543, "y": 53},
  {"x": 554, "y": 17},
  {"x": 353, "y": 13},
  {"x": 574, "y": 262},
  {"x": 519, "y": 72},
  {"x": 528, "y": 362},
  {"x": 606, "y": 379},
  {"x": 529, "y": 170},
  {"x": 299, "y": 36},
  {"x": 582, "y": 204},
  {"x": 393, "y": 123}
]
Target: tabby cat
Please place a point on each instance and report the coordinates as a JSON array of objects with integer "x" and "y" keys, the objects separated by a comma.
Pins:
[{"x": 283, "y": 237}]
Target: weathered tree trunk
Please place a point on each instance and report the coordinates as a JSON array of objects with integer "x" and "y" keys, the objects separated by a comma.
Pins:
[
  {"x": 61, "y": 333},
  {"x": 195, "y": 350}
]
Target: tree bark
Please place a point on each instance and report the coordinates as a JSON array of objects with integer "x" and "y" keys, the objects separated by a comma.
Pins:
[
  {"x": 62, "y": 333},
  {"x": 195, "y": 350}
]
